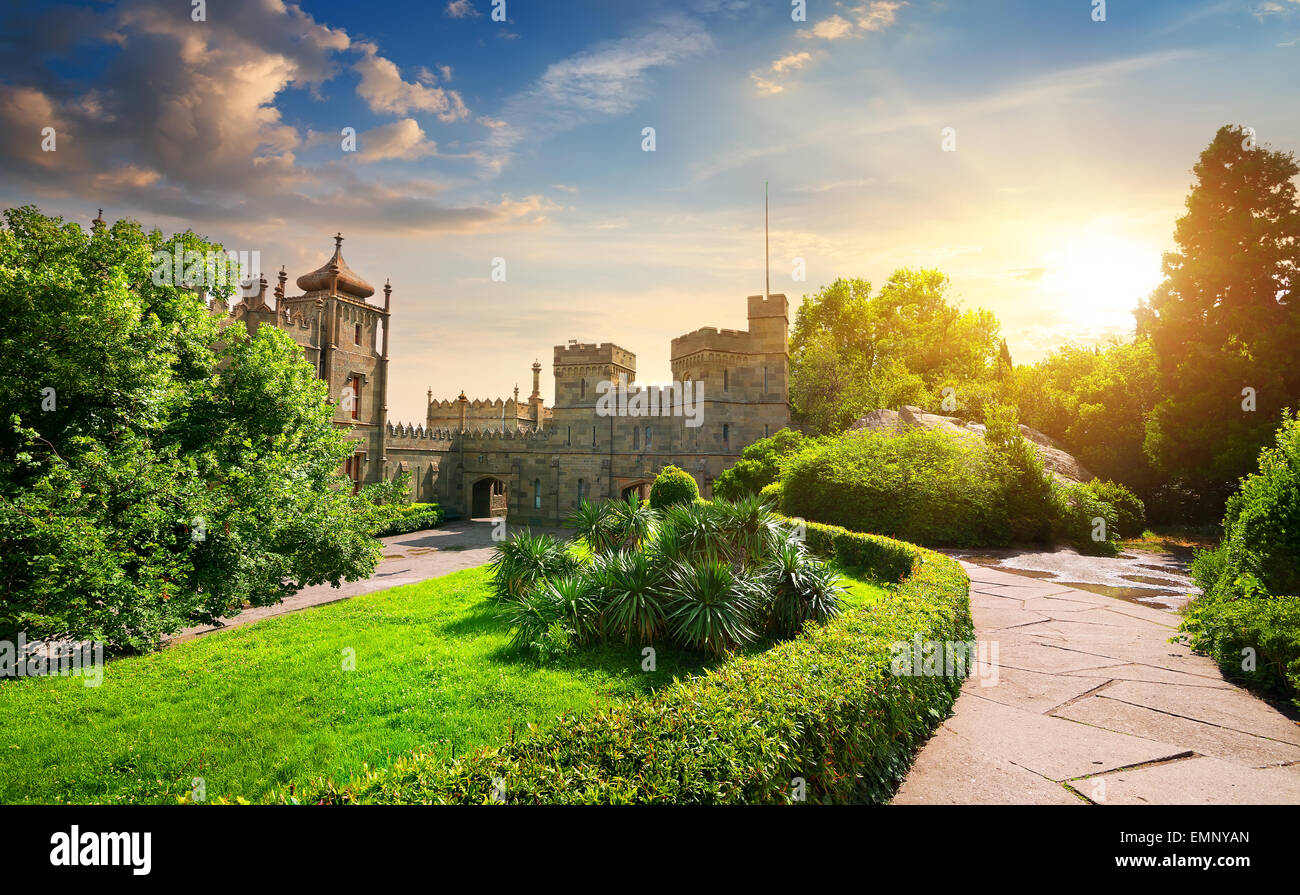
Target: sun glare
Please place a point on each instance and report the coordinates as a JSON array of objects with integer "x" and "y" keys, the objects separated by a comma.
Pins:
[{"x": 1098, "y": 279}]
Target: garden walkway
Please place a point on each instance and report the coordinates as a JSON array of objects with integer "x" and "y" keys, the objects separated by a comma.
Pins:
[
  {"x": 1092, "y": 704},
  {"x": 408, "y": 559}
]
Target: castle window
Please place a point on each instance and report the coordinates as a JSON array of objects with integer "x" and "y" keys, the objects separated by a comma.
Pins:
[
  {"x": 356, "y": 337},
  {"x": 726, "y": 381},
  {"x": 593, "y": 436},
  {"x": 537, "y": 494},
  {"x": 726, "y": 432},
  {"x": 582, "y": 487},
  {"x": 352, "y": 399},
  {"x": 765, "y": 379},
  {"x": 764, "y": 430},
  {"x": 636, "y": 439},
  {"x": 352, "y": 469},
  {"x": 582, "y": 388},
  {"x": 568, "y": 437},
  {"x": 647, "y": 437}
]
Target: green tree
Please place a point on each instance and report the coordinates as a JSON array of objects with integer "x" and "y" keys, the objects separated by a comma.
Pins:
[
  {"x": 851, "y": 352},
  {"x": 1226, "y": 317},
  {"x": 155, "y": 470},
  {"x": 760, "y": 464}
]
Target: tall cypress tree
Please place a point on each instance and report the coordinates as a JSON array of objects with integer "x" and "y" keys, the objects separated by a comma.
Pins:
[{"x": 1225, "y": 323}]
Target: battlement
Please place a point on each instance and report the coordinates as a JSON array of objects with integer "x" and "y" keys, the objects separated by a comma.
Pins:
[
  {"x": 710, "y": 338},
  {"x": 475, "y": 404},
  {"x": 592, "y": 353},
  {"x": 406, "y": 435},
  {"x": 410, "y": 432},
  {"x": 774, "y": 305}
]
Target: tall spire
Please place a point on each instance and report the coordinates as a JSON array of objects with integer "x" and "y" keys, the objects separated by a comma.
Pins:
[{"x": 767, "y": 268}]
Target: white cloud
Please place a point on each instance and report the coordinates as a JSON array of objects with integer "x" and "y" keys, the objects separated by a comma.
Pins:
[
  {"x": 791, "y": 61},
  {"x": 403, "y": 139},
  {"x": 384, "y": 90},
  {"x": 461, "y": 9},
  {"x": 608, "y": 78},
  {"x": 833, "y": 28},
  {"x": 877, "y": 15}
]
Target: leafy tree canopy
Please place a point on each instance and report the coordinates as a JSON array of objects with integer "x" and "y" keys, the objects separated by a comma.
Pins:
[{"x": 156, "y": 470}]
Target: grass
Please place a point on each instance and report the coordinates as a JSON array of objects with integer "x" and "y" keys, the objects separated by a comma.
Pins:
[
  {"x": 1173, "y": 540},
  {"x": 270, "y": 704}
]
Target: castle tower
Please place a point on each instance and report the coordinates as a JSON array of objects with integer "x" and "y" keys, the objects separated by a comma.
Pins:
[{"x": 346, "y": 338}]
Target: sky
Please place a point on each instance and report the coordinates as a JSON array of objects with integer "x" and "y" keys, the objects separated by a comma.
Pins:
[{"x": 516, "y": 130}]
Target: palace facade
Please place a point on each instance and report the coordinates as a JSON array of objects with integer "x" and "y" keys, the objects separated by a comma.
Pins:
[{"x": 522, "y": 459}]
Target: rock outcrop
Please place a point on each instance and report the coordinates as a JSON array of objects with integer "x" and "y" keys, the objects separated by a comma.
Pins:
[{"x": 1056, "y": 460}]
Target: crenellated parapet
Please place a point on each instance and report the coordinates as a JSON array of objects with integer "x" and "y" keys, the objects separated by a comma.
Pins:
[{"x": 411, "y": 432}]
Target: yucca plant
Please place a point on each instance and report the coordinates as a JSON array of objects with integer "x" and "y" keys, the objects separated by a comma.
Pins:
[
  {"x": 798, "y": 589},
  {"x": 632, "y": 522},
  {"x": 567, "y": 600},
  {"x": 595, "y": 525},
  {"x": 751, "y": 528},
  {"x": 579, "y": 601},
  {"x": 699, "y": 533},
  {"x": 525, "y": 559},
  {"x": 632, "y": 591},
  {"x": 711, "y": 606},
  {"x": 531, "y": 615}
]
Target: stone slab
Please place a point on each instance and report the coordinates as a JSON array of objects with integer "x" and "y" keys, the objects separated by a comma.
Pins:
[
  {"x": 1195, "y": 781},
  {"x": 1053, "y": 747},
  {"x": 1205, "y": 739},
  {"x": 952, "y": 770},
  {"x": 1234, "y": 708}
]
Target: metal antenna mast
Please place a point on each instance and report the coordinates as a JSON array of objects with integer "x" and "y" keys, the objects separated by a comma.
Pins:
[{"x": 767, "y": 269}]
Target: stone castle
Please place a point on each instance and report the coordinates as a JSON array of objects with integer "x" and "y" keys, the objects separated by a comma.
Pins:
[{"x": 523, "y": 460}]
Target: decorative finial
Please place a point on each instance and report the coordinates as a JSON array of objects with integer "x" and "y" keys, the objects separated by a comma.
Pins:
[
  {"x": 338, "y": 240},
  {"x": 98, "y": 221}
]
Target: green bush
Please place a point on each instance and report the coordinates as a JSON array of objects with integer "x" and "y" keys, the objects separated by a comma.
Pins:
[
  {"x": 1255, "y": 639},
  {"x": 1251, "y": 580},
  {"x": 929, "y": 487},
  {"x": 1261, "y": 525},
  {"x": 389, "y": 492},
  {"x": 1078, "y": 522},
  {"x": 1028, "y": 498},
  {"x": 673, "y": 487},
  {"x": 398, "y": 519},
  {"x": 1129, "y": 508},
  {"x": 824, "y": 707},
  {"x": 759, "y": 465}
]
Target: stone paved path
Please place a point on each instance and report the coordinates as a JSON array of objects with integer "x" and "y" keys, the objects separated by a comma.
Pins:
[
  {"x": 1092, "y": 704},
  {"x": 408, "y": 559}
]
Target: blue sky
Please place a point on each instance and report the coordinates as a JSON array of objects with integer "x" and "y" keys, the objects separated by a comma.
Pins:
[{"x": 522, "y": 139}]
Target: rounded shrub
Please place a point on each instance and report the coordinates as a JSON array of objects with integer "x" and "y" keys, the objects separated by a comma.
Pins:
[
  {"x": 1128, "y": 506},
  {"x": 673, "y": 487}
]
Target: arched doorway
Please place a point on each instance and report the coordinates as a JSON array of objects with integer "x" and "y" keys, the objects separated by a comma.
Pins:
[
  {"x": 640, "y": 489},
  {"x": 488, "y": 499}
]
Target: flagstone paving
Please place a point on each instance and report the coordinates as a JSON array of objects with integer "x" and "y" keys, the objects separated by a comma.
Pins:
[{"x": 1087, "y": 701}]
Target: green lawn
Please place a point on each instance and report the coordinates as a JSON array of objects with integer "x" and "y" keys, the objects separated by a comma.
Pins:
[{"x": 269, "y": 704}]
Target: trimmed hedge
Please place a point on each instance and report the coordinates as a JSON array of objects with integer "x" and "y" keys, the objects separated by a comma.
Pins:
[
  {"x": 823, "y": 706},
  {"x": 400, "y": 520}
]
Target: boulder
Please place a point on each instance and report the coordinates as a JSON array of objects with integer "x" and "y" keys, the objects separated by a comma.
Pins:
[{"x": 1056, "y": 460}]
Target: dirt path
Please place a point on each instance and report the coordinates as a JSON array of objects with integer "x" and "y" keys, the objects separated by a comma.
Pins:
[{"x": 1087, "y": 702}]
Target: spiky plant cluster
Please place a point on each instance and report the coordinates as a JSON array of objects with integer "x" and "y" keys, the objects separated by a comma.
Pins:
[{"x": 709, "y": 577}]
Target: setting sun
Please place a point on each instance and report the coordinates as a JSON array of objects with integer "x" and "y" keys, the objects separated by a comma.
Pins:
[{"x": 1098, "y": 278}]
